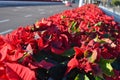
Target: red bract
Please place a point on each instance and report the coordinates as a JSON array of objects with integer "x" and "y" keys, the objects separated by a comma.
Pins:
[
  {"x": 10, "y": 53},
  {"x": 20, "y": 38},
  {"x": 45, "y": 65},
  {"x": 3, "y": 75},
  {"x": 48, "y": 44},
  {"x": 16, "y": 71},
  {"x": 79, "y": 52},
  {"x": 1, "y": 41},
  {"x": 59, "y": 44},
  {"x": 83, "y": 26},
  {"x": 85, "y": 65},
  {"x": 3, "y": 53},
  {"x": 79, "y": 61},
  {"x": 73, "y": 63}
]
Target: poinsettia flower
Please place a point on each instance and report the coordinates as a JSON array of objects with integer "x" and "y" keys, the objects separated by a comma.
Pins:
[
  {"x": 57, "y": 50},
  {"x": 53, "y": 35},
  {"x": 41, "y": 44},
  {"x": 8, "y": 52},
  {"x": 12, "y": 53},
  {"x": 85, "y": 65},
  {"x": 19, "y": 72},
  {"x": 81, "y": 61},
  {"x": 59, "y": 44},
  {"x": 44, "y": 64},
  {"x": 83, "y": 26},
  {"x": 106, "y": 54},
  {"x": 3, "y": 53},
  {"x": 40, "y": 25},
  {"x": 3, "y": 75},
  {"x": 43, "y": 24},
  {"x": 2, "y": 42},
  {"x": 78, "y": 52},
  {"x": 19, "y": 37},
  {"x": 15, "y": 55},
  {"x": 73, "y": 63}
]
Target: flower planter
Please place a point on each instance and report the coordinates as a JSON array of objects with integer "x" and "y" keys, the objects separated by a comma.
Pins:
[{"x": 83, "y": 43}]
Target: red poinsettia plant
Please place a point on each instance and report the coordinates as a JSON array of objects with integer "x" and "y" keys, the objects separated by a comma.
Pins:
[{"x": 78, "y": 44}]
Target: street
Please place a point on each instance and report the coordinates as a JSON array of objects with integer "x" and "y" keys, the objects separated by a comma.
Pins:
[{"x": 15, "y": 16}]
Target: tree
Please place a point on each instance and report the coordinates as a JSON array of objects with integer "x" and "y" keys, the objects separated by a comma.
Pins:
[{"x": 116, "y": 2}]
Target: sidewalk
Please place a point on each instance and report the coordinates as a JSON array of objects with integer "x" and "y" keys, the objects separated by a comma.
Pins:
[{"x": 26, "y": 3}]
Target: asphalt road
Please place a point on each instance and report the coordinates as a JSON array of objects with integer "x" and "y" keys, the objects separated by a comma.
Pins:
[
  {"x": 15, "y": 16},
  {"x": 9, "y": 3}
]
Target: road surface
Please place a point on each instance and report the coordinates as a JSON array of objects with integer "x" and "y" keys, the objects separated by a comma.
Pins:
[
  {"x": 26, "y": 3},
  {"x": 15, "y": 16}
]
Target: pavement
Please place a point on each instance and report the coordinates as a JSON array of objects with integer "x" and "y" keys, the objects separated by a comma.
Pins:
[
  {"x": 12, "y": 17},
  {"x": 27, "y": 3}
]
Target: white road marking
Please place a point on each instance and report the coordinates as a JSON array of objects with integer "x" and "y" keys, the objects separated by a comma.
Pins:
[
  {"x": 7, "y": 31},
  {"x": 5, "y": 20},
  {"x": 29, "y": 15}
]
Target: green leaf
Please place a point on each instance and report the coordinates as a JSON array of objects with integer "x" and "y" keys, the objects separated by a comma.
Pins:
[
  {"x": 32, "y": 28},
  {"x": 96, "y": 39},
  {"x": 73, "y": 28},
  {"x": 86, "y": 77},
  {"x": 93, "y": 57},
  {"x": 116, "y": 64},
  {"x": 106, "y": 67},
  {"x": 98, "y": 24},
  {"x": 69, "y": 52},
  {"x": 106, "y": 35},
  {"x": 40, "y": 56},
  {"x": 86, "y": 54},
  {"x": 57, "y": 72},
  {"x": 98, "y": 78},
  {"x": 79, "y": 77},
  {"x": 101, "y": 41},
  {"x": 50, "y": 57},
  {"x": 72, "y": 74},
  {"x": 62, "y": 16},
  {"x": 42, "y": 74}
]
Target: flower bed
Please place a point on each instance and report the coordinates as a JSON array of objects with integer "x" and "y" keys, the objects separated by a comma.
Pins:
[{"x": 78, "y": 44}]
